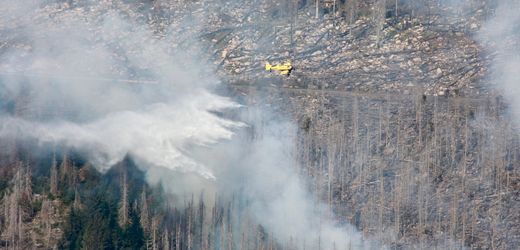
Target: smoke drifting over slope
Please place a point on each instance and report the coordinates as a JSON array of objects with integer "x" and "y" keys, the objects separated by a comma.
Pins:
[
  {"x": 59, "y": 87},
  {"x": 500, "y": 35},
  {"x": 61, "y": 78},
  {"x": 263, "y": 171}
]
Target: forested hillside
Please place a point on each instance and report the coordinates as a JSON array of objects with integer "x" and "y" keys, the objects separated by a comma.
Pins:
[{"x": 396, "y": 128}]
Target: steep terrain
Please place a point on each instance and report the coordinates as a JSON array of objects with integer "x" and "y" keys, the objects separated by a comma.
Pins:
[{"x": 398, "y": 132}]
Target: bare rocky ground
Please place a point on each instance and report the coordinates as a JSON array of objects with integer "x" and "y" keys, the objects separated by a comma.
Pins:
[{"x": 436, "y": 53}]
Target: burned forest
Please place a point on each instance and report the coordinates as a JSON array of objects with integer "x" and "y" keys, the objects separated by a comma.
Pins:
[{"x": 262, "y": 125}]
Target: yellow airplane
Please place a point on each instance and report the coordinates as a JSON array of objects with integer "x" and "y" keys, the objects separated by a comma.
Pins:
[{"x": 284, "y": 68}]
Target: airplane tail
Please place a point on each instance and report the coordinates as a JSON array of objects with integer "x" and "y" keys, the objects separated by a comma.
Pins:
[{"x": 268, "y": 66}]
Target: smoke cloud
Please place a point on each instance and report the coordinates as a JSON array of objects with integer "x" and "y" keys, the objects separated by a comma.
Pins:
[
  {"x": 499, "y": 36},
  {"x": 263, "y": 170},
  {"x": 97, "y": 80},
  {"x": 61, "y": 74}
]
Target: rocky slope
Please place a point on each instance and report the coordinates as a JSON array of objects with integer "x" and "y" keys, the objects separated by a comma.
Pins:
[{"x": 396, "y": 132}]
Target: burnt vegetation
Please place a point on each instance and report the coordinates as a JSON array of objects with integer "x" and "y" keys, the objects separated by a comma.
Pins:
[{"x": 407, "y": 147}]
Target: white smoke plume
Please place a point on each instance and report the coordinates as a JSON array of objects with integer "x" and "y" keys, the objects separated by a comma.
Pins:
[
  {"x": 68, "y": 77},
  {"x": 276, "y": 194},
  {"x": 61, "y": 76},
  {"x": 500, "y": 36}
]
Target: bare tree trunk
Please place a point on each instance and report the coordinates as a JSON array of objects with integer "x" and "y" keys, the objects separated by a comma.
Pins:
[
  {"x": 353, "y": 11},
  {"x": 123, "y": 204},
  {"x": 155, "y": 229},
  {"x": 77, "y": 200},
  {"x": 14, "y": 214},
  {"x": 189, "y": 229},
  {"x": 46, "y": 214},
  {"x": 178, "y": 238},
  {"x": 379, "y": 19},
  {"x": 144, "y": 213},
  {"x": 166, "y": 239},
  {"x": 65, "y": 168},
  {"x": 201, "y": 217},
  {"x": 396, "y": 7},
  {"x": 317, "y": 9},
  {"x": 54, "y": 177}
]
